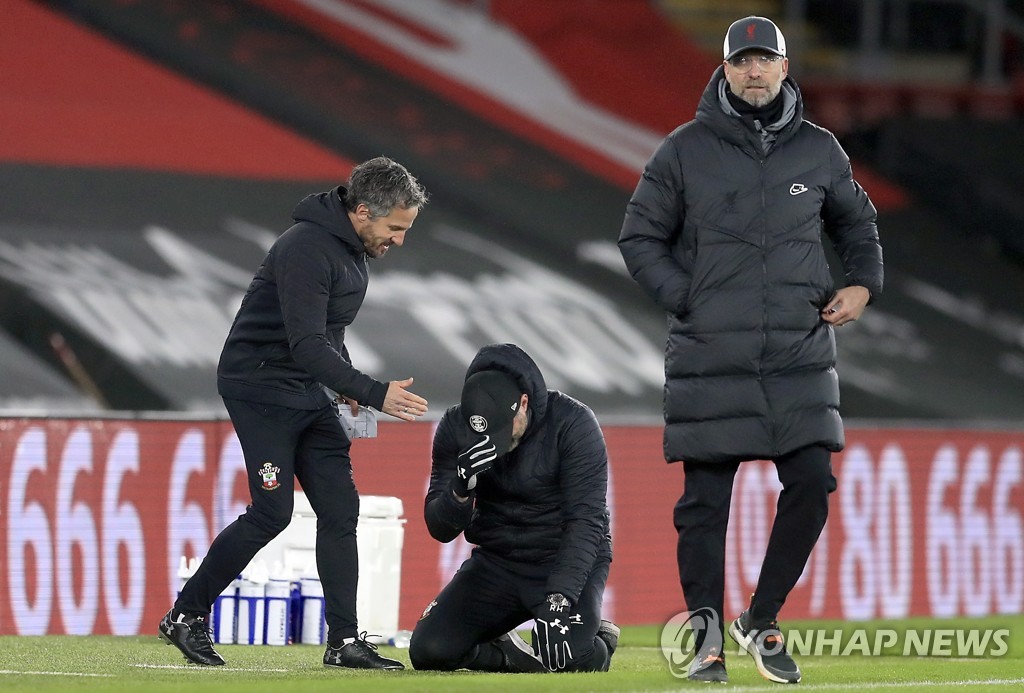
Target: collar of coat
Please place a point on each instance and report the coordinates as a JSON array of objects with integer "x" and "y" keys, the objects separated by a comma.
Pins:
[{"x": 717, "y": 113}]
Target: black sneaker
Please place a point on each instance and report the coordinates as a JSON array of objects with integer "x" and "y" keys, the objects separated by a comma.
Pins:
[
  {"x": 767, "y": 648},
  {"x": 519, "y": 656},
  {"x": 708, "y": 669},
  {"x": 609, "y": 632},
  {"x": 358, "y": 654},
  {"x": 189, "y": 634}
]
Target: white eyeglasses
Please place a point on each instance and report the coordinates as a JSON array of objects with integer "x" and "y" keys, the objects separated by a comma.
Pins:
[{"x": 745, "y": 63}]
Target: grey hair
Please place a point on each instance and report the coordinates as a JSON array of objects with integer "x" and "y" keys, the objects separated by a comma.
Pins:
[{"x": 383, "y": 185}]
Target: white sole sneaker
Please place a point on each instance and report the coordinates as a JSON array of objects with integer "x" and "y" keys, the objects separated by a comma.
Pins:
[{"x": 748, "y": 644}]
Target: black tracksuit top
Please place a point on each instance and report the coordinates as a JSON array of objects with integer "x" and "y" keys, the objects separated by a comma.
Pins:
[
  {"x": 287, "y": 342},
  {"x": 543, "y": 505}
]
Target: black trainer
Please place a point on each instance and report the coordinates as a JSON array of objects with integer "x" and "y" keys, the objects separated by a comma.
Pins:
[
  {"x": 519, "y": 656},
  {"x": 709, "y": 669},
  {"x": 358, "y": 654},
  {"x": 767, "y": 647},
  {"x": 189, "y": 634},
  {"x": 609, "y": 632}
]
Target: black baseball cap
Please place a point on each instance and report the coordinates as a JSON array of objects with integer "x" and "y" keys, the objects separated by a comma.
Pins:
[
  {"x": 490, "y": 401},
  {"x": 754, "y": 32}
]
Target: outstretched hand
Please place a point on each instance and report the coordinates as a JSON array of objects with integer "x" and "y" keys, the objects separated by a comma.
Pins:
[{"x": 402, "y": 404}]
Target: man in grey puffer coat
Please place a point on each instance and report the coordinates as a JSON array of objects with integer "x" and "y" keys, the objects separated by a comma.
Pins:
[{"x": 724, "y": 233}]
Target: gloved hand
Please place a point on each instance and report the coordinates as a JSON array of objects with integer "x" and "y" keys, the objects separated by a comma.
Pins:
[
  {"x": 474, "y": 460},
  {"x": 552, "y": 631}
]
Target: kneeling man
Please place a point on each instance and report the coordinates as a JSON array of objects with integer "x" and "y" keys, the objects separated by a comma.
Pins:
[{"x": 523, "y": 471}]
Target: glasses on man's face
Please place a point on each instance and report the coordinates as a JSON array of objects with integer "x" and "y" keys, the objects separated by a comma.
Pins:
[{"x": 766, "y": 63}]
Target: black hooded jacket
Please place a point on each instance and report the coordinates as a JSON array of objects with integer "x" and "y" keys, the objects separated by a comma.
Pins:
[
  {"x": 724, "y": 233},
  {"x": 288, "y": 339},
  {"x": 543, "y": 503}
]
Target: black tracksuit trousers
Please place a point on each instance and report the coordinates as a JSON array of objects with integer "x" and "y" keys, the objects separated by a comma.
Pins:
[
  {"x": 702, "y": 516},
  {"x": 281, "y": 444},
  {"x": 489, "y": 597}
]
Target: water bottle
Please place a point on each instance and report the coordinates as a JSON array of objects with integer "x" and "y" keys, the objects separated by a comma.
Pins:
[
  {"x": 278, "y": 611},
  {"x": 183, "y": 573},
  {"x": 313, "y": 625},
  {"x": 400, "y": 639},
  {"x": 223, "y": 622},
  {"x": 295, "y": 604},
  {"x": 251, "y": 603}
]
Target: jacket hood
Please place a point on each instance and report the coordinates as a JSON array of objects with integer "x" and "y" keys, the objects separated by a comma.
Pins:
[
  {"x": 715, "y": 112},
  {"x": 517, "y": 363},
  {"x": 327, "y": 210}
]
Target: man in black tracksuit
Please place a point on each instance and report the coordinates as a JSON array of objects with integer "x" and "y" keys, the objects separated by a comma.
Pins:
[
  {"x": 523, "y": 471},
  {"x": 283, "y": 372},
  {"x": 724, "y": 233}
]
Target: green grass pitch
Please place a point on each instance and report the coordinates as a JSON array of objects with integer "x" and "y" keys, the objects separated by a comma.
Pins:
[{"x": 100, "y": 663}]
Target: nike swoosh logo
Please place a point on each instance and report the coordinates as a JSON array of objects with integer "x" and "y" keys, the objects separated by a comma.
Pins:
[{"x": 797, "y": 188}]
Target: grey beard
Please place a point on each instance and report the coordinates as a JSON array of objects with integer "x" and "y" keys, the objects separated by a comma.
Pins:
[{"x": 759, "y": 100}]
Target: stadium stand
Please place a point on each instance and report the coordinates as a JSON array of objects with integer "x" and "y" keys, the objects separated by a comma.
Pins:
[{"x": 530, "y": 170}]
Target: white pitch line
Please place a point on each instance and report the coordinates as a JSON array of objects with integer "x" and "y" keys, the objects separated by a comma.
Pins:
[
  {"x": 881, "y": 685},
  {"x": 13, "y": 672},
  {"x": 196, "y": 667}
]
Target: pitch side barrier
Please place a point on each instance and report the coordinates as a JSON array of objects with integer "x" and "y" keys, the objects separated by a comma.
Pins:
[{"x": 95, "y": 514}]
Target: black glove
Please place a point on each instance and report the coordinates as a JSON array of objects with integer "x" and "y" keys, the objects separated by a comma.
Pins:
[
  {"x": 551, "y": 634},
  {"x": 473, "y": 461}
]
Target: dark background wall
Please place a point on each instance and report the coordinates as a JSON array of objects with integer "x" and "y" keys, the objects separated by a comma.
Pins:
[{"x": 154, "y": 150}]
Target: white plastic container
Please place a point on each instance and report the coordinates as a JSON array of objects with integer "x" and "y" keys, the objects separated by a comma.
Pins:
[
  {"x": 380, "y": 537},
  {"x": 379, "y": 541}
]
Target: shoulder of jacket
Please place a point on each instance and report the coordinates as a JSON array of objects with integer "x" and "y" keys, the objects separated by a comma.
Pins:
[
  {"x": 566, "y": 410},
  {"x": 809, "y": 129},
  {"x": 303, "y": 233},
  {"x": 688, "y": 131},
  {"x": 446, "y": 426},
  {"x": 307, "y": 234}
]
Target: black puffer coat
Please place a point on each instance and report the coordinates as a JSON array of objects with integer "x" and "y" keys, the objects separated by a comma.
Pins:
[
  {"x": 544, "y": 503},
  {"x": 727, "y": 239}
]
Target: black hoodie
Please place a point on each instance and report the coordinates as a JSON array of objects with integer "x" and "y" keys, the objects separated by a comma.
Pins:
[
  {"x": 543, "y": 505},
  {"x": 288, "y": 339}
]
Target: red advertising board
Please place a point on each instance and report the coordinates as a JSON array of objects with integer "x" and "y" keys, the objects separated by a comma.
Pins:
[{"x": 94, "y": 515}]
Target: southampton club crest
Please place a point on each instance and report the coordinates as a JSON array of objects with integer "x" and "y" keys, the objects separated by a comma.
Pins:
[
  {"x": 426, "y": 612},
  {"x": 269, "y": 474}
]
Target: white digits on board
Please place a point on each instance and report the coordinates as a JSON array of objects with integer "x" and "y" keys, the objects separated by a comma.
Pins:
[
  {"x": 75, "y": 527},
  {"x": 188, "y": 533},
  {"x": 28, "y": 528},
  {"x": 122, "y": 532}
]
